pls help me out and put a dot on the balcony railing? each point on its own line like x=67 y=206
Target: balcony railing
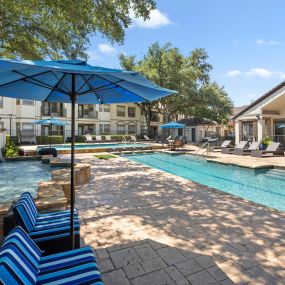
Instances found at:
x=54 y=113
x=88 y=115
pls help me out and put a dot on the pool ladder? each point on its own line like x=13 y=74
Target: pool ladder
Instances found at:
x=206 y=152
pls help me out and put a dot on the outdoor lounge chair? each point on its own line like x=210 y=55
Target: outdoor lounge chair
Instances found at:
x=89 y=139
x=225 y=146
x=239 y=148
x=146 y=138
x=51 y=231
x=242 y=151
x=108 y=138
x=133 y=138
x=22 y=262
x=274 y=149
x=98 y=139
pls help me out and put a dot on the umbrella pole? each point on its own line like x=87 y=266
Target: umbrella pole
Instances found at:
x=72 y=184
x=50 y=135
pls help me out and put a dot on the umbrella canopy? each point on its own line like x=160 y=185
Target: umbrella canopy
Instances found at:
x=173 y=125
x=74 y=81
x=50 y=122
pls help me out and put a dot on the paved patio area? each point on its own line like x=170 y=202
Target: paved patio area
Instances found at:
x=151 y=227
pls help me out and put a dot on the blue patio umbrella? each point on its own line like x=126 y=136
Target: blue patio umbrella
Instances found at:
x=50 y=122
x=173 y=125
x=74 y=81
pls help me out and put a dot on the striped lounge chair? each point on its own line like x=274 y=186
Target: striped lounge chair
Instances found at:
x=49 y=231
x=21 y=262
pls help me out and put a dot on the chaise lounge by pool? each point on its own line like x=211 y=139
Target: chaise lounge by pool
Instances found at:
x=262 y=186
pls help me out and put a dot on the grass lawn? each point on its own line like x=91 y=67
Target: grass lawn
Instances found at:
x=105 y=156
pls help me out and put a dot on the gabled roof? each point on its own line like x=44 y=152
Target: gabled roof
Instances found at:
x=260 y=99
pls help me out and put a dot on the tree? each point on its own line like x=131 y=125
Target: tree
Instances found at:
x=55 y=29
x=215 y=104
x=189 y=75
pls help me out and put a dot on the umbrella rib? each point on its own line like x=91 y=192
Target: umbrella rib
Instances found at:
x=120 y=87
x=40 y=82
x=99 y=88
x=7 y=83
x=60 y=79
x=86 y=82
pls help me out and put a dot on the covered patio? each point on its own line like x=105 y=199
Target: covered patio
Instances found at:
x=264 y=117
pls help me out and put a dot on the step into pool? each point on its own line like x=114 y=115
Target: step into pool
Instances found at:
x=262 y=186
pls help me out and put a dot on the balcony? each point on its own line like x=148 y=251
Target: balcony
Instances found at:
x=54 y=112
x=88 y=115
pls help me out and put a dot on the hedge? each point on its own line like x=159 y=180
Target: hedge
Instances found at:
x=48 y=139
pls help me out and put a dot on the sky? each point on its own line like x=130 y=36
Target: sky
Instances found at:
x=244 y=39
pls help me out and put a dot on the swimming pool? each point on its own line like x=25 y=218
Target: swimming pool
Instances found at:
x=102 y=145
x=18 y=177
x=259 y=186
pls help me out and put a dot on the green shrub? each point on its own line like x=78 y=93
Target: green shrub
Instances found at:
x=48 y=139
x=266 y=141
x=105 y=156
x=11 y=150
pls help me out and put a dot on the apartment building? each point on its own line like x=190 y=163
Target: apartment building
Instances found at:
x=17 y=117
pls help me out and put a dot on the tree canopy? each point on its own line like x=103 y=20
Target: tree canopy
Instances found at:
x=197 y=94
x=55 y=29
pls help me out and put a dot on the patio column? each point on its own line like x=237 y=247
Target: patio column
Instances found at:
x=238 y=131
x=260 y=129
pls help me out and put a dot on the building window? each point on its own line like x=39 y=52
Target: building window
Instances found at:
x=27 y=126
x=155 y=117
x=279 y=131
x=121 y=129
x=1 y=102
x=248 y=129
x=104 y=108
x=121 y=111
x=131 y=129
x=28 y=102
x=1 y=125
x=104 y=129
x=86 y=129
x=86 y=111
x=131 y=112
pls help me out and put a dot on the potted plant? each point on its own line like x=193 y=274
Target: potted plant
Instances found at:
x=266 y=141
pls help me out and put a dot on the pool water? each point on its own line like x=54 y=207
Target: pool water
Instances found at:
x=22 y=176
x=255 y=185
x=101 y=145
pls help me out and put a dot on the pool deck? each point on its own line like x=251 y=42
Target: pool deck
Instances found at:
x=151 y=227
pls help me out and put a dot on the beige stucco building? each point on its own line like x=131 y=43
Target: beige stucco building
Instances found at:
x=264 y=117
x=18 y=115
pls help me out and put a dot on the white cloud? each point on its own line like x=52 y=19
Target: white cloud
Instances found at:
x=266 y=43
x=157 y=19
x=260 y=72
x=256 y=72
x=233 y=73
x=107 y=49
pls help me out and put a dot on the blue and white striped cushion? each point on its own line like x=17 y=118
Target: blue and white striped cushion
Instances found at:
x=87 y=273
x=67 y=259
x=28 y=197
x=23 y=216
x=25 y=244
x=15 y=266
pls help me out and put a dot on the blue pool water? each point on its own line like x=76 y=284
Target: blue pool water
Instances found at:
x=255 y=185
x=18 y=177
x=102 y=145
